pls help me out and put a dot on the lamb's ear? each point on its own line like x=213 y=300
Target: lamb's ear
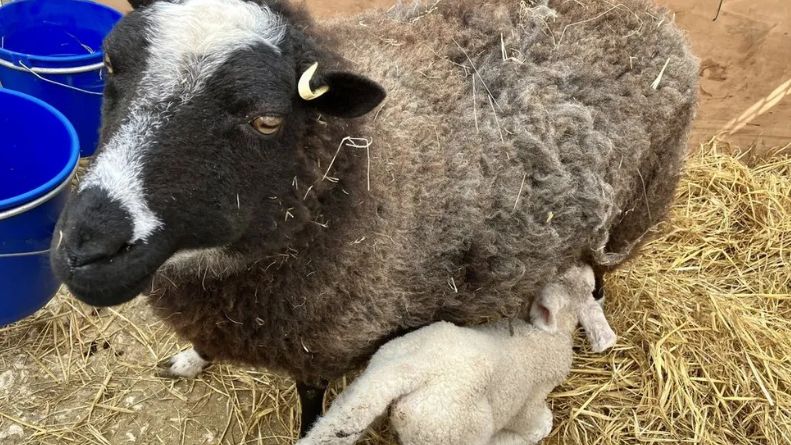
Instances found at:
x=340 y=93
x=545 y=308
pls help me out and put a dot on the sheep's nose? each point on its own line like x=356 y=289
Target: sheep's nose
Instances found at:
x=93 y=228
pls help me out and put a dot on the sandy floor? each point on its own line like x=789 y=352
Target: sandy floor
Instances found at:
x=745 y=72
x=745 y=68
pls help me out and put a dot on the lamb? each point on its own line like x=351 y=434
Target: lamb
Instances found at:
x=292 y=195
x=479 y=385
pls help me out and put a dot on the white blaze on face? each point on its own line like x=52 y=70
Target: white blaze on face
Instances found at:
x=188 y=41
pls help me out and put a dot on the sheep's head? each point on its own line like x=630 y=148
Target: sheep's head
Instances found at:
x=203 y=112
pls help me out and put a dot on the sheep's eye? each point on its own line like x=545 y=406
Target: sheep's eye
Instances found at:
x=267 y=125
x=107 y=65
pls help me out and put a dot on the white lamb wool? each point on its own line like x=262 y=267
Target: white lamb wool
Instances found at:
x=472 y=386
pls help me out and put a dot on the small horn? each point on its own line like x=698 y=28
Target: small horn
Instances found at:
x=305 y=91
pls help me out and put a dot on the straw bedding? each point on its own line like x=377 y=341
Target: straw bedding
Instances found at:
x=704 y=316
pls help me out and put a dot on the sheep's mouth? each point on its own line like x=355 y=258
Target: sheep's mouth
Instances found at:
x=111 y=280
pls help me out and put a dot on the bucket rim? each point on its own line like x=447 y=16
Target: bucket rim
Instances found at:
x=61 y=177
x=5 y=214
x=14 y=56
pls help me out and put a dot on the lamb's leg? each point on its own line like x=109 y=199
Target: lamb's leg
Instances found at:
x=443 y=414
x=362 y=402
x=507 y=437
x=311 y=400
x=186 y=364
x=529 y=427
x=539 y=424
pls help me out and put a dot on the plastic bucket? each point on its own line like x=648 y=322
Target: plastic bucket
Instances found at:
x=39 y=154
x=52 y=49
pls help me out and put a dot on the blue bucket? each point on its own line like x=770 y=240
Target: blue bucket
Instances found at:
x=52 y=49
x=39 y=153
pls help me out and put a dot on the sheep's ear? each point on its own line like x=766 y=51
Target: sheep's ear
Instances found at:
x=545 y=308
x=137 y=4
x=340 y=93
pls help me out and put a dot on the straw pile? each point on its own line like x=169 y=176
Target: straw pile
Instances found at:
x=704 y=356
x=704 y=317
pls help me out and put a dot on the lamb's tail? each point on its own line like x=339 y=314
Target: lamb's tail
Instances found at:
x=361 y=403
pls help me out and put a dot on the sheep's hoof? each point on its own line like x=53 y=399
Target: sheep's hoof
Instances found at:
x=184 y=365
x=598 y=289
x=600 y=296
x=601 y=301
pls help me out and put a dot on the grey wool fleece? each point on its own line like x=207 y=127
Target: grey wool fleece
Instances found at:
x=517 y=138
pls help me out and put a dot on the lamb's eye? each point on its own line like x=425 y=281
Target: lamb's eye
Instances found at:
x=267 y=125
x=107 y=65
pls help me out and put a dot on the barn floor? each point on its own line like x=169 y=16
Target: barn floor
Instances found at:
x=704 y=315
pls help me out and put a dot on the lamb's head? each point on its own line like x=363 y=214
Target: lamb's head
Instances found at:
x=206 y=104
x=566 y=301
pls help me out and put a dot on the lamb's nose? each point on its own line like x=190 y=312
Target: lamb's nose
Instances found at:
x=93 y=228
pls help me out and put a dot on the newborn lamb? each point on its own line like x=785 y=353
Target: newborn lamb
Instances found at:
x=472 y=385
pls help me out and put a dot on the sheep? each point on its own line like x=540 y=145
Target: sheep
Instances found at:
x=291 y=195
x=478 y=385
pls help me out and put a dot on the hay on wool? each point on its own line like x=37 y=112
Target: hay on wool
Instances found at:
x=704 y=356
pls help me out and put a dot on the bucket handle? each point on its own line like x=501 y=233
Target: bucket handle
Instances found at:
x=17 y=255
x=39 y=71
x=33 y=204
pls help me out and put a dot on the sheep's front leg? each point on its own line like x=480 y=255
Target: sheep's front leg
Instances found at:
x=186 y=364
x=311 y=400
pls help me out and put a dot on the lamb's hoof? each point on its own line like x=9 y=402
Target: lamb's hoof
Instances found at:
x=184 y=365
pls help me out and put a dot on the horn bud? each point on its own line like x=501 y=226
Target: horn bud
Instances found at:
x=305 y=91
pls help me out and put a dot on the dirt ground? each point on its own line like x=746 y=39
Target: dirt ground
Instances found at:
x=745 y=64
x=72 y=375
x=745 y=68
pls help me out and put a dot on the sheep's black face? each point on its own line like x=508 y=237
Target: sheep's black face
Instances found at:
x=200 y=121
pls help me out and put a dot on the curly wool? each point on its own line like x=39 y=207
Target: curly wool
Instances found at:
x=515 y=140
